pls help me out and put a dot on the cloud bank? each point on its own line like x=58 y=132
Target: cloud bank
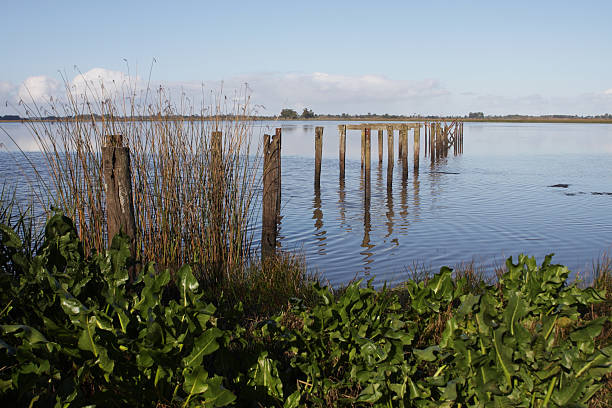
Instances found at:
x=322 y=92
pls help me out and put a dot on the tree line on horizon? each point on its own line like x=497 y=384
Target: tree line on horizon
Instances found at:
x=292 y=114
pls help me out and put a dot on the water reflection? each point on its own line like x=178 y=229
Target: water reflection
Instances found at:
x=317 y=215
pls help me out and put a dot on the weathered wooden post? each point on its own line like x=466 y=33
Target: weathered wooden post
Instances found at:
x=417 y=148
x=363 y=131
x=318 y=153
x=390 y=147
x=400 y=144
x=367 y=152
x=118 y=185
x=380 y=145
x=425 y=139
x=279 y=179
x=342 y=153
x=271 y=194
x=404 y=153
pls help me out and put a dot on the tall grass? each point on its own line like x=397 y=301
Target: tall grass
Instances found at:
x=191 y=205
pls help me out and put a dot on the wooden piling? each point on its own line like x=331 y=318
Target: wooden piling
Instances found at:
x=367 y=150
x=118 y=185
x=363 y=132
x=342 y=153
x=404 y=151
x=271 y=194
x=380 y=145
x=390 y=147
x=400 y=144
x=279 y=179
x=417 y=148
x=318 y=153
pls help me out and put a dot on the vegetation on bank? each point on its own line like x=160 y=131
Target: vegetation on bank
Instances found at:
x=75 y=331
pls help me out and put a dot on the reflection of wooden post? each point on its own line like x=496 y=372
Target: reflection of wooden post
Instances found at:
x=271 y=194
x=417 y=148
x=318 y=153
x=380 y=145
x=342 y=153
x=118 y=183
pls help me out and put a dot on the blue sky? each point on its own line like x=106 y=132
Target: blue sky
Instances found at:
x=436 y=57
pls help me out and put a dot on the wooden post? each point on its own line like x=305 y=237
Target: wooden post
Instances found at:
x=342 y=129
x=417 y=148
x=362 y=146
x=400 y=144
x=118 y=185
x=404 y=154
x=380 y=145
x=367 y=151
x=425 y=139
x=318 y=153
x=271 y=194
x=279 y=179
x=390 y=147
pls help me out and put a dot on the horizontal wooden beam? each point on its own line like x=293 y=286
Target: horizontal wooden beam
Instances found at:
x=383 y=126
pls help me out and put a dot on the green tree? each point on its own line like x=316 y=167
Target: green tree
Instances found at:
x=288 y=114
x=308 y=113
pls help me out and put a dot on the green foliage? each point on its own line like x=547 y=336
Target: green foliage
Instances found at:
x=307 y=113
x=75 y=331
x=288 y=114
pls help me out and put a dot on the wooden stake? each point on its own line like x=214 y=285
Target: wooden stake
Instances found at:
x=390 y=147
x=342 y=153
x=362 y=146
x=318 y=153
x=417 y=148
x=367 y=152
x=271 y=195
x=118 y=185
x=380 y=145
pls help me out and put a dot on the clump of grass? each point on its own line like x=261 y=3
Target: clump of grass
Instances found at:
x=268 y=286
x=193 y=193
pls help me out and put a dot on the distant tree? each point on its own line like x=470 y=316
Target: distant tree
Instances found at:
x=307 y=114
x=476 y=115
x=288 y=114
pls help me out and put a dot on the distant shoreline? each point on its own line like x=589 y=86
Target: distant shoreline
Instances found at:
x=341 y=119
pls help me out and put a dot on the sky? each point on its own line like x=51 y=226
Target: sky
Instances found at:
x=398 y=57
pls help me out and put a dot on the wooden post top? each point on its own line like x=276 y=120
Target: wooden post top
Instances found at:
x=113 y=141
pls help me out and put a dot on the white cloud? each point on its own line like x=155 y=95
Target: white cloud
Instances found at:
x=102 y=83
x=38 y=89
x=608 y=91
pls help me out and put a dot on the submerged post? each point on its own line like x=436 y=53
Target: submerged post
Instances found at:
x=363 y=131
x=417 y=148
x=404 y=153
x=318 y=153
x=380 y=145
x=271 y=194
x=118 y=185
x=367 y=152
x=390 y=142
x=342 y=129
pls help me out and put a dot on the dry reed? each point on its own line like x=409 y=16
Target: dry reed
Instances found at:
x=193 y=194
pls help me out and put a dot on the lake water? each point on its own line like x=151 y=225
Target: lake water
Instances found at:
x=491 y=202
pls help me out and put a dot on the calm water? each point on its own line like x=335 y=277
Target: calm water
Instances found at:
x=491 y=202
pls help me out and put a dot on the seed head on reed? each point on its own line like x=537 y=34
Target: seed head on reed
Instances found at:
x=193 y=188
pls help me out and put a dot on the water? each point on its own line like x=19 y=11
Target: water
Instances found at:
x=491 y=202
